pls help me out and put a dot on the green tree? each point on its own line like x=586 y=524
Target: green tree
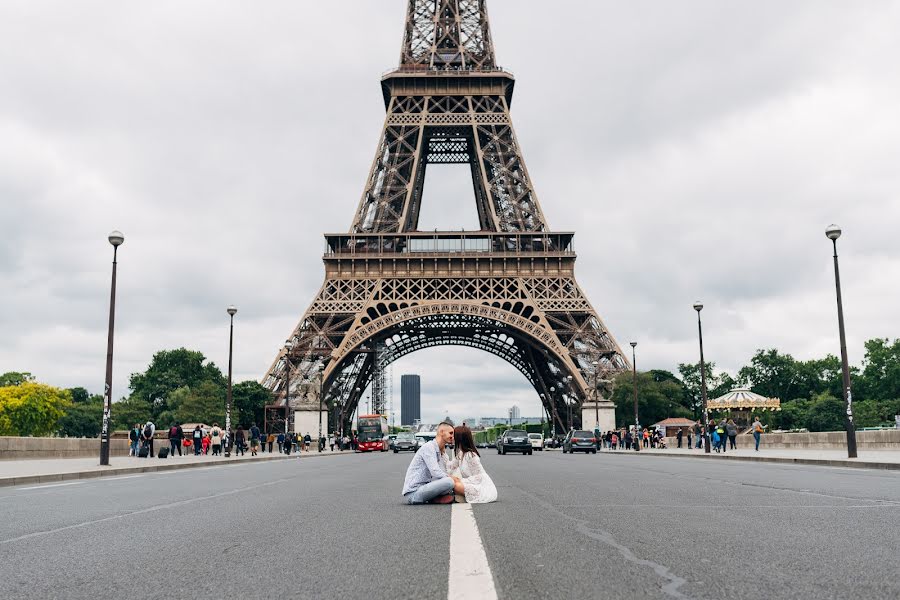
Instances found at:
x=716 y=385
x=168 y=371
x=660 y=395
x=85 y=417
x=32 y=409
x=825 y=413
x=880 y=377
x=129 y=411
x=204 y=403
x=15 y=378
x=249 y=400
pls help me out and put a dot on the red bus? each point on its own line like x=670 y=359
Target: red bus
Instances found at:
x=372 y=433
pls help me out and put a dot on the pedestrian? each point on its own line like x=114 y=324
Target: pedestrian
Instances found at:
x=690 y=430
x=205 y=444
x=288 y=442
x=175 y=436
x=322 y=442
x=731 y=430
x=722 y=431
x=239 y=438
x=307 y=441
x=197 y=438
x=271 y=440
x=715 y=439
x=698 y=429
x=134 y=436
x=758 y=429
x=280 y=440
x=332 y=441
x=147 y=437
x=254 y=439
x=679 y=435
x=216 y=439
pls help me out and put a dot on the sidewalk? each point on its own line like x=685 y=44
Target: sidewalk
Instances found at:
x=867 y=459
x=45 y=470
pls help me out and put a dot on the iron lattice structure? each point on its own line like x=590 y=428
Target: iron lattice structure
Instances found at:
x=508 y=289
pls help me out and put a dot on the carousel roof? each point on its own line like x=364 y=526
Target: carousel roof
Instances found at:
x=744 y=398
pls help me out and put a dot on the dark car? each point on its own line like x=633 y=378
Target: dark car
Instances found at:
x=514 y=440
x=579 y=440
x=406 y=441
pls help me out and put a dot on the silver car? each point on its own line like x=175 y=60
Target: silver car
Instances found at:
x=406 y=441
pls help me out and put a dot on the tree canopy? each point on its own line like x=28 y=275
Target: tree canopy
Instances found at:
x=32 y=409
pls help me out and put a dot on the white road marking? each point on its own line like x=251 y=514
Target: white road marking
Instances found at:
x=470 y=574
x=52 y=485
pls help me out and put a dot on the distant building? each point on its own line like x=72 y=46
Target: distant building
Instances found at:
x=491 y=421
x=514 y=412
x=410 y=399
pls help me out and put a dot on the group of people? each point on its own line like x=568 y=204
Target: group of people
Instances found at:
x=722 y=435
x=436 y=477
x=205 y=440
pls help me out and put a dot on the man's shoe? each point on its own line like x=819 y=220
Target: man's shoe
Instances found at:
x=448 y=499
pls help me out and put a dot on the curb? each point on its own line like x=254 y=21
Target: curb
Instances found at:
x=117 y=471
x=820 y=462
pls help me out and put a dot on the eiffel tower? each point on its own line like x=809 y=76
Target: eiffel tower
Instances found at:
x=390 y=289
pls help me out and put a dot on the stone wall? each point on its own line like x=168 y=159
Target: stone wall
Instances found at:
x=19 y=448
x=887 y=439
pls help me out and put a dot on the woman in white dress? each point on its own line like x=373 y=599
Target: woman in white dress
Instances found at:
x=466 y=463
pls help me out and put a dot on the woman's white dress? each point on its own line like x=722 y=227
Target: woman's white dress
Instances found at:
x=479 y=486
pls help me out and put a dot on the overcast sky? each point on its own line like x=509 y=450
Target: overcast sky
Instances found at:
x=698 y=148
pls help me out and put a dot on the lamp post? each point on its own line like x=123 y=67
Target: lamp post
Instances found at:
x=833 y=232
x=231 y=310
x=553 y=400
x=116 y=239
x=596 y=365
x=637 y=420
x=698 y=306
x=288 y=345
x=568 y=380
x=321 y=387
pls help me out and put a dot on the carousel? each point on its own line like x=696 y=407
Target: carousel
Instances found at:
x=742 y=404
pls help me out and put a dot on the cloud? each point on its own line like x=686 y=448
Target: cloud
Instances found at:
x=698 y=149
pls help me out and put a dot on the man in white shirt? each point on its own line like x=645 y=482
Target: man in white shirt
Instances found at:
x=426 y=479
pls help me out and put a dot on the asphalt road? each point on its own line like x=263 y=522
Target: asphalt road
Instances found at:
x=565 y=527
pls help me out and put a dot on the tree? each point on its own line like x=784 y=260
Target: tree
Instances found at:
x=716 y=385
x=825 y=413
x=15 y=378
x=880 y=378
x=249 y=400
x=204 y=403
x=660 y=395
x=129 y=411
x=168 y=371
x=32 y=409
x=84 y=418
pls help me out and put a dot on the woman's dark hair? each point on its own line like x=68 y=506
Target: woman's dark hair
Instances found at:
x=462 y=437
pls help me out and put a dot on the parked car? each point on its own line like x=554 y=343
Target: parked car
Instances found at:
x=578 y=440
x=537 y=441
x=406 y=441
x=514 y=440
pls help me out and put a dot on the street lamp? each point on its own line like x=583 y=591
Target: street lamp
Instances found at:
x=568 y=380
x=833 y=232
x=288 y=346
x=116 y=239
x=596 y=365
x=231 y=310
x=553 y=400
x=698 y=306
x=321 y=387
x=637 y=420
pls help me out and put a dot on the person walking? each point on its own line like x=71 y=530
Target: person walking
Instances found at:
x=288 y=442
x=197 y=438
x=731 y=430
x=332 y=439
x=307 y=441
x=215 y=439
x=280 y=440
x=722 y=430
x=679 y=435
x=690 y=430
x=254 y=439
x=239 y=441
x=134 y=436
x=758 y=429
x=176 y=434
x=698 y=429
x=147 y=436
x=271 y=440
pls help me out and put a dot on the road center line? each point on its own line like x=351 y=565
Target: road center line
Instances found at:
x=470 y=574
x=52 y=485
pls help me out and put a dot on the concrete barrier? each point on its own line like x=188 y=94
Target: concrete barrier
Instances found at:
x=24 y=448
x=886 y=439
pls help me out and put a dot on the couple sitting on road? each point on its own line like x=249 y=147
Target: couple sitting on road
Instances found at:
x=433 y=477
